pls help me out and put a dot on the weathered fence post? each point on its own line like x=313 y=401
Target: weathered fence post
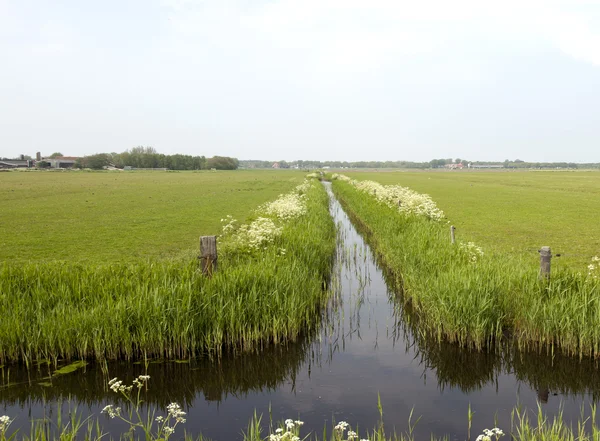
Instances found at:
x=208 y=254
x=545 y=258
x=452 y=228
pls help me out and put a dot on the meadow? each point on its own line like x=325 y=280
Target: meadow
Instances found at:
x=117 y=216
x=269 y=287
x=515 y=211
x=462 y=293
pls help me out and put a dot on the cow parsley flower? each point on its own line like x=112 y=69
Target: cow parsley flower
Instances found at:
x=4 y=423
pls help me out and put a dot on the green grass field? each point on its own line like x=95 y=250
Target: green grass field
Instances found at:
x=515 y=212
x=115 y=216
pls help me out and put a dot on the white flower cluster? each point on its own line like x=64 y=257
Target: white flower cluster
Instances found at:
x=338 y=177
x=112 y=411
x=264 y=229
x=489 y=433
x=261 y=232
x=312 y=175
x=229 y=226
x=395 y=196
x=173 y=411
x=473 y=252
x=304 y=187
x=117 y=385
x=4 y=423
x=341 y=427
x=290 y=434
x=594 y=268
x=286 y=207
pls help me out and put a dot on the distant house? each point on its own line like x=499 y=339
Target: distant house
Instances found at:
x=276 y=165
x=458 y=166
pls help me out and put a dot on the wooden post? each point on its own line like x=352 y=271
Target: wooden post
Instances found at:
x=208 y=254
x=545 y=258
x=452 y=228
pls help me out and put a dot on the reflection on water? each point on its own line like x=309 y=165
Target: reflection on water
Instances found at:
x=369 y=347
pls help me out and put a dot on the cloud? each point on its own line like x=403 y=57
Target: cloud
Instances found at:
x=358 y=35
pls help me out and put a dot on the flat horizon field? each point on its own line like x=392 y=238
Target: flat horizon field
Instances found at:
x=115 y=216
x=514 y=211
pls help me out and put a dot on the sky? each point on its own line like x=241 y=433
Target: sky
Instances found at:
x=303 y=79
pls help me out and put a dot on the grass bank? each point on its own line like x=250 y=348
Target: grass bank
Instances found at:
x=269 y=289
x=464 y=295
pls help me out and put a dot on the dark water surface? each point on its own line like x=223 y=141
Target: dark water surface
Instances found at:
x=366 y=348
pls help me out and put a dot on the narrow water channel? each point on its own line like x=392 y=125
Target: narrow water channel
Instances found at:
x=367 y=348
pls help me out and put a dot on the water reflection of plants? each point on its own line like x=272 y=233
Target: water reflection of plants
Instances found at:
x=180 y=381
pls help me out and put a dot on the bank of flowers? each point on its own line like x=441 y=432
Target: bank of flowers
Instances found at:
x=268 y=225
x=407 y=201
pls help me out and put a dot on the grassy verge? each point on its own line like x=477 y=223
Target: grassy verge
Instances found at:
x=461 y=294
x=269 y=289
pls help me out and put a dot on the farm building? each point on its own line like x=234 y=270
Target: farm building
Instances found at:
x=14 y=163
x=62 y=161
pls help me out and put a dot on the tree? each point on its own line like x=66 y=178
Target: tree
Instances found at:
x=96 y=162
x=222 y=163
x=56 y=155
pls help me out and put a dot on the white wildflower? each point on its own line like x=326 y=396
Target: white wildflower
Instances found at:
x=4 y=423
x=407 y=201
x=352 y=435
x=175 y=411
x=488 y=434
x=279 y=430
x=594 y=268
x=299 y=423
x=286 y=207
x=168 y=430
x=259 y=233
x=111 y=411
x=341 y=426
x=472 y=251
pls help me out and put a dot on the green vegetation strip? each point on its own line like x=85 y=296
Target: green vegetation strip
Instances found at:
x=461 y=294
x=268 y=289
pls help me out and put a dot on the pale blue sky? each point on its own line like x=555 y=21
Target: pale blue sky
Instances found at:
x=303 y=79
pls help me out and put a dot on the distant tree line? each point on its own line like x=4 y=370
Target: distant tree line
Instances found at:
x=434 y=163
x=148 y=157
